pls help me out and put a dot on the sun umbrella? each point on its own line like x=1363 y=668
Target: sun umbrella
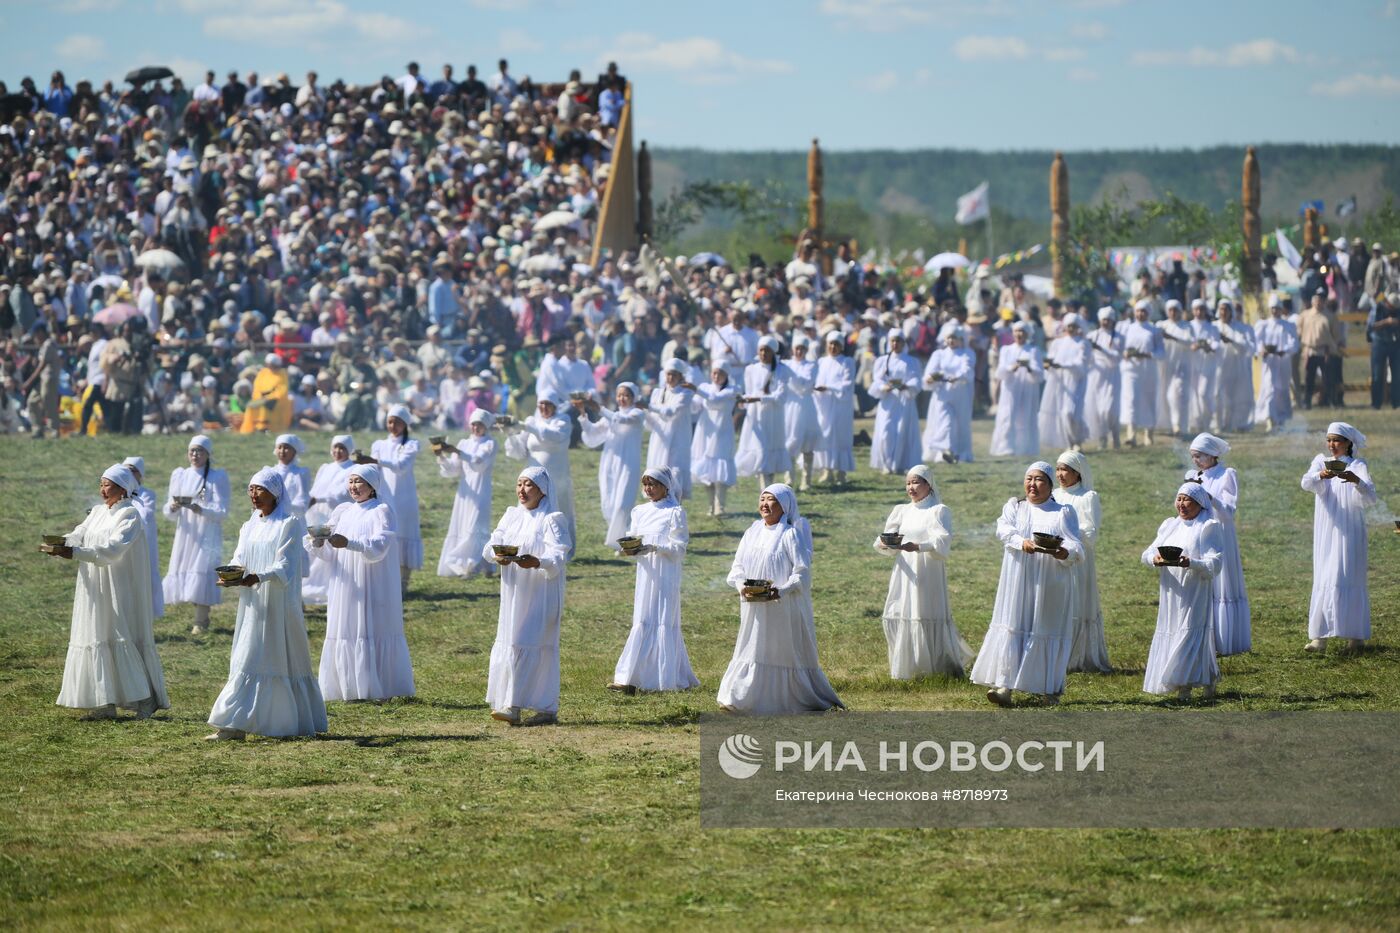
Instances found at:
x=545 y=262
x=149 y=73
x=707 y=259
x=947 y=261
x=113 y=315
x=556 y=219
x=160 y=260
x=109 y=281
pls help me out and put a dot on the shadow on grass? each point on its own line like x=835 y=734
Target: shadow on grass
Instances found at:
x=389 y=741
x=1301 y=699
x=440 y=597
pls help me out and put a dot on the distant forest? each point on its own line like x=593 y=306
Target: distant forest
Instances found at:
x=906 y=200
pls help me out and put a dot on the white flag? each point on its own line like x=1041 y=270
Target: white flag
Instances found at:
x=974 y=205
x=1288 y=251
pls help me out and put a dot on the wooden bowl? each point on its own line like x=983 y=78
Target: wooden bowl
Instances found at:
x=182 y=500
x=1047 y=542
x=505 y=550
x=60 y=540
x=630 y=544
x=230 y=573
x=891 y=538
x=361 y=457
x=1336 y=466
x=504 y=421
x=1169 y=554
x=757 y=593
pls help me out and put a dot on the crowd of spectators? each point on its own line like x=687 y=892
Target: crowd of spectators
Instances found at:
x=178 y=259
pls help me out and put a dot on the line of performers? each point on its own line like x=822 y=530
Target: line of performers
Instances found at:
x=1046 y=620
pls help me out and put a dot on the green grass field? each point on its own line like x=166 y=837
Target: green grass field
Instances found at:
x=425 y=813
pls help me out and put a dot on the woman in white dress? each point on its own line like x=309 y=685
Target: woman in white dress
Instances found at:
x=763 y=439
x=365 y=655
x=1016 y=431
x=1276 y=345
x=1235 y=406
x=836 y=411
x=1232 y=634
x=112 y=660
x=327 y=491
x=775 y=668
x=654 y=657
x=1061 y=419
x=524 y=672
x=1104 y=383
x=712 y=447
x=1182 y=655
x=894 y=382
x=543 y=440
x=1144 y=349
x=1089 y=652
x=271 y=688
x=669 y=416
x=296 y=479
x=1341 y=601
x=948 y=376
x=471 y=463
x=1032 y=630
x=619 y=434
x=918 y=621
x=197 y=501
x=145 y=501
x=800 y=411
x=1205 y=367
x=396 y=456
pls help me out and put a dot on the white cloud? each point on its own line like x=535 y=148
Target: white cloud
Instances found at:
x=699 y=59
x=1391 y=8
x=509 y=6
x=1240 y=55
x=1358 y=85
x=1083 y=74
x=881 y=83
x=275 y=23
x=990 y=48
x=891 y=15
x=81 y=47
x=1095 y=4
x=517 y=42
x=87 y=6
x=923 y=76
x=1064 y=55
x=1095 y=31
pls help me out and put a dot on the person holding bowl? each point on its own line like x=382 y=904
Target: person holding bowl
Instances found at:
x=1341 y=482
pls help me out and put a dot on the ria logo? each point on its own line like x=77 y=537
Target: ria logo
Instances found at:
x=740 y=756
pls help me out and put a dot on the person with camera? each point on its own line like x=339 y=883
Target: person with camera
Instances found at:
x=1383 y=333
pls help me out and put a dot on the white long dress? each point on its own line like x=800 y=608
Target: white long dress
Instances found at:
x=1232 y=634
x=329 y=490
x=763 y=439
x=1205 y=375
x=1016 y=431
x=544 y=442
x=112 y=656
x=800 y=410
x=1174 y=403
x=619 y=433
x=271 y=688
x=1143 y=351
x=524 y=670
x=1341 y=601
x=397 y=458
x=670 y=418
x=296 y=486
x=836 y=412
x=947 y=420
x=1183 y=646
x=145 y=502
x=1028 y=642
x=1061 y=418
x=654 y=657
x=712 y=446
x=470 y=525
x=365 y=656
x=1104 y=386
x=775 y=669
x=897 y=446
x=199 y=537
x=1089 y=651
x=1235 y=395
x=1275 y=401
x=918 y=621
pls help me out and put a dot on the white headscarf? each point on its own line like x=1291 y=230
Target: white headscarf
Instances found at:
x=769 y=341
x=666 y=477
x=1079 y=463
x=122 y=476
x=345 y=440
x=1195 y=491
x=271 y=480
x=836 y=337
x=1072 y=320
x=292 y=441
x=1043 y=467
x=1342 y=429
x=674 y=365
x=482 y=416
x=138 y=464
x=787 y=499
x=1211 y=445
x=540 y=477
x=202 y=440
x=894 y=334
x=632 y=387
x=401 y=412
x=925 y=474
x=1106 y=313
x=1023 y=327
x=369 y=473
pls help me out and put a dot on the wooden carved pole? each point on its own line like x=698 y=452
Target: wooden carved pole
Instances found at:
x=815 y=203
x=1250 y=281
x=644 y=212
x=1310 y=235
x=1059 y=220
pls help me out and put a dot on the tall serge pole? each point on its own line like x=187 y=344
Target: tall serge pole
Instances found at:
x=1311 y=238
x=1059 y=220
x=644 y=209
x=1252 y=231
x=815 y=203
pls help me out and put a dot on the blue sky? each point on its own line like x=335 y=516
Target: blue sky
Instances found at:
x=771 y=74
